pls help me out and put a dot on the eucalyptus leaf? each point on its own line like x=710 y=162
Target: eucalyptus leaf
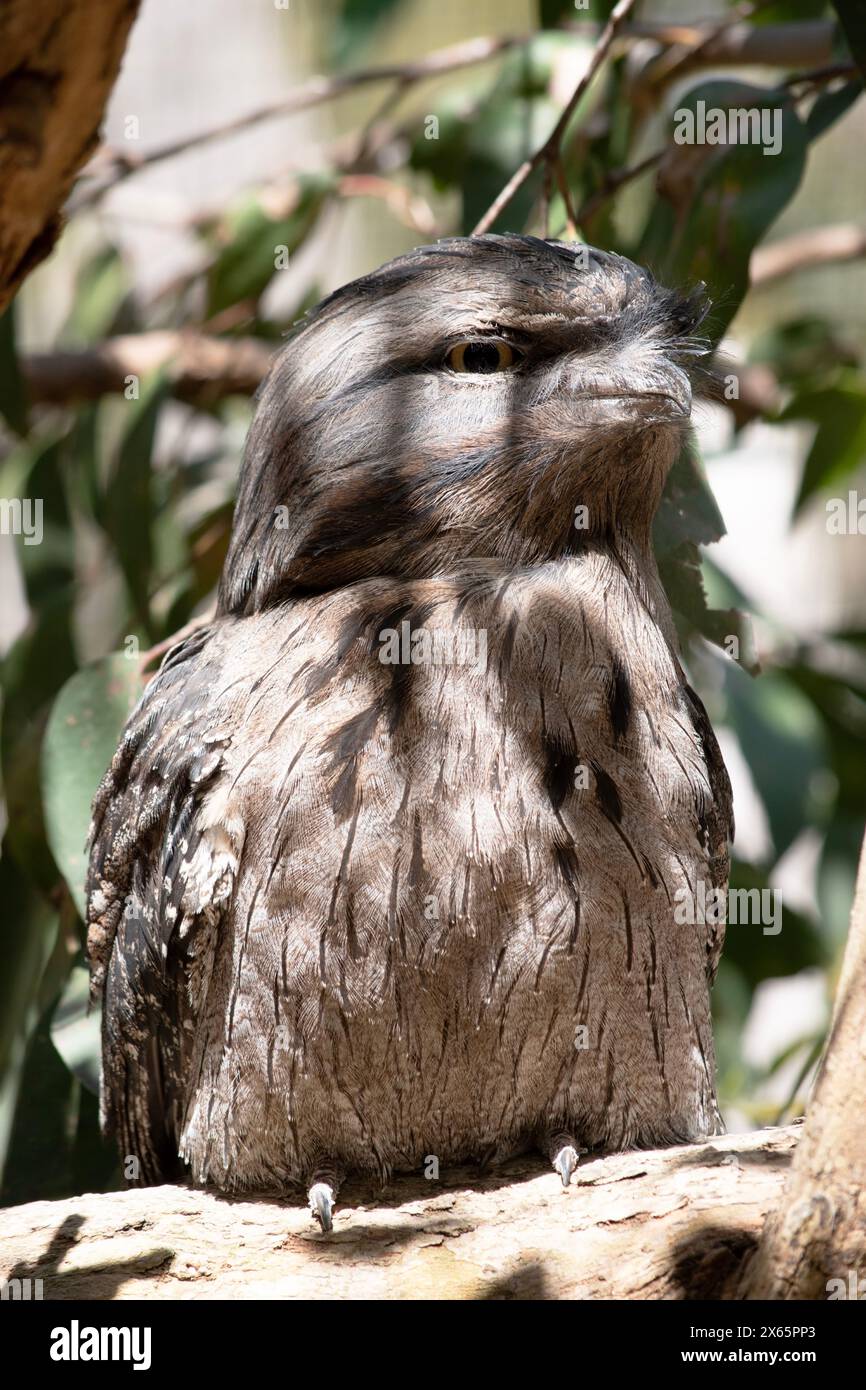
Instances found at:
x=128 y=501
x=831 y=106
x=769 y=939
x=839 y=446
x=717 y=201
x=99 y=291
x=784 y=743
x=82 y=735
x=75 y=1029
x=247 y=261
x=358 y=22
x=28 y=927
x=688 y=518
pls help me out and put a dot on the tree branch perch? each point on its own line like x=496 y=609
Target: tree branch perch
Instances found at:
x=671 y=1223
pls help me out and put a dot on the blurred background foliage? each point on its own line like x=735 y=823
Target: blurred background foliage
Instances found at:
x=137 y=483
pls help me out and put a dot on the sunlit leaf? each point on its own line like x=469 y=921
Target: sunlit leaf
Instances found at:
x=99 y=290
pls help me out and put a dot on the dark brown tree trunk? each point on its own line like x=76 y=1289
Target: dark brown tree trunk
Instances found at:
x=58 y=63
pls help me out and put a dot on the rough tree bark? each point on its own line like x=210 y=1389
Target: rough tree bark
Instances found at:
x=673 y=1223
x=58 y=63
x=201 y=369
x=817 y=1231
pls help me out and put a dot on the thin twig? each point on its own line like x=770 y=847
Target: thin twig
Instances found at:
x=388 y=104
x=549 y=151
x=612 y=183
x=819 y=76
x=544 y=210
x=571 y=215
x=311 y=93
x=675 y=59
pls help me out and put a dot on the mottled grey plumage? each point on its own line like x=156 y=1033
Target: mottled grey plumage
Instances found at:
x=350 y=914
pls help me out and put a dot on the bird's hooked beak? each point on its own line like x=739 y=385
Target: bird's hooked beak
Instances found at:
x=638 y=385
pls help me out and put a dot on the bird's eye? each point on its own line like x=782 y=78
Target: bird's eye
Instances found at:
x=485 y=355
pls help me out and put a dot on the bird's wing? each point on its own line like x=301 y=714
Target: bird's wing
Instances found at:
x=158 y=883
x=715 y=821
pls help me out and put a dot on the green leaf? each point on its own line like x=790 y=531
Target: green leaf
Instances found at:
x=28 y=927
x=783 y=741
x=688 y=510
x=357 y=23
x=688 y=518
x=246 y=264
x=503 y=135
x=76 y=1029
x=803 y=352
x=43 y=656
x=717 y=201
x=82 y=734
x=446 y=157
x=56 y=1148
x=528 y=69
x=13 y=397
x=763 y=954
x=483 y=135
x=554 y=12
x=839 y=446
x=788 y=11
x=100 y=287
x=47 y=555
x=128 y=502
x=837 y=876
x=830 y=107
x=841 y=703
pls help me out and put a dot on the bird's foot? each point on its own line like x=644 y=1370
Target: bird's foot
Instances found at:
x=564 y=1154
x=322 y=1199
x=565 y=1163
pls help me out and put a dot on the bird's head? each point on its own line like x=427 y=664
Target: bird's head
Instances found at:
x=495 y=396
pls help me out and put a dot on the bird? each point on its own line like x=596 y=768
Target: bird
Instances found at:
x=386 y=865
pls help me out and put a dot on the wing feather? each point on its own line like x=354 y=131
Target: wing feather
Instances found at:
x=156 y=885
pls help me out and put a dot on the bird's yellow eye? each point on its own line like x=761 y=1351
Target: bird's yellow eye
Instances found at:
x=484 y=355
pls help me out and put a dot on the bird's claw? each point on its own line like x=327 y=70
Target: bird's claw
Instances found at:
x=321 y=1198
x=565 y=1163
